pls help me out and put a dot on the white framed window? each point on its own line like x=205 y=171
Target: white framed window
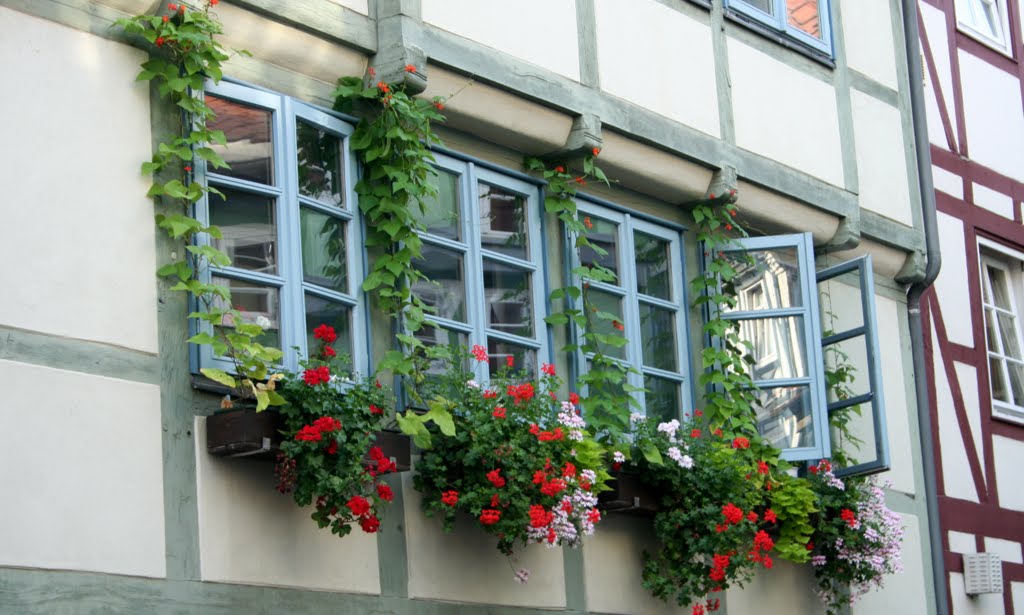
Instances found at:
x=805 y=21
x=1002 y=293
x=987 y=21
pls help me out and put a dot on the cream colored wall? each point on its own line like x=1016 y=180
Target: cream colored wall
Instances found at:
x=952 y=280
x=82 y=472
x=1009 y=459
x=881 y=158
x=903 y=593
x=954 y=454
x=994 y=201
x=935 y=27
x=78 y=242
x=542 y=32
x=995 y=125
x=786 y=588
x=868 y=50
x=984 y=604
x=660 y=59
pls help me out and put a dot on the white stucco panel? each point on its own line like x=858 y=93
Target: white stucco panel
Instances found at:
x=1008 y=550
x=785 y=589
x=950 y=183
x=1009 y=456
x=993 y=200
x=249 y=533
x=869 y=50
x=785 y=114
x=902 y=593
x=881 y=158
x=935 y=27
x=983 y=604
x=956 y=474
x=995 y=124
x=962 y=542
x=967 y=377
x=893 y=347
x=1017 y=590
x=952 y=280
x=82 y=472
x=360 y=6
x=542 y=32
x=78 y=223
x=638 y=40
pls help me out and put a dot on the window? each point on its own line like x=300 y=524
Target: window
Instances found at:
x=287 y=221
x=483 y=255
x=1002 y=289
x=648 y=297
x=986 y=20
x=805 y=21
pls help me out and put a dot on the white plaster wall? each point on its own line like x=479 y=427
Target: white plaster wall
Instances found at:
x=983 y=604
x=995 y=124
x=79 y=240
x=952 y=280
x=894 y=346
x=1009 y=458
x=1017 y=591
x=956 y=474
x=869 y=48
x=994 y=201
x=784 y=114
x=542 y=32
x=881 y=161
x=935 y=27
x=360 y=6
x=962 y=542
x=967 y=375
x=465 y=566
x=904 y=592
x=658 y=58
x=82 y=472
x=950 y=183
x=1008 y=550
x=785 y=589
x=612 y=564
x=249 y=533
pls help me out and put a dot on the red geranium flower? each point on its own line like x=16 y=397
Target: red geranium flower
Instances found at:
x=762 y=467
x=479 y=353
x=732 y=513
x=384 y=492
x=308 y=433
x=740 y=442
x=490 y=516
x=547 y=369
x=332 y=448
x=496 y=479
x=358 y=505
x=539 y=516
x=325 y=333
x=574 y=399
x=769 y=516
x=409 y=68
x=327 y=424
x=451 y=498
x=329 y=352
x=375 y=410
x=370 y=524
x=499 y=412
x=594 y=515
x=596 y=151
x=695 y=433
x=510 y=361
x=376 y=453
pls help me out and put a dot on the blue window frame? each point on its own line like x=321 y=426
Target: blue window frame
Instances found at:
x=288 y=222
x=483 y=255
x=805 y=21
x=649 y=297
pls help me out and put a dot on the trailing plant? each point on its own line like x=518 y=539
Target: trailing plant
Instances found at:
x=522 y=463
x=857 y=539
x=326 y=458
x=608 y=399
x=184 y=54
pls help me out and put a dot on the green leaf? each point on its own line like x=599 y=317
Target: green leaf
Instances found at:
x=262 y=400
x=651 y=453
x=218 y=375
x=441 y=416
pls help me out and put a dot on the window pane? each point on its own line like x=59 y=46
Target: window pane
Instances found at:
x=1000 y=292
x=508 y=298
x=250 y=232
x=991 y=330
x=258 y=305
x=250 y=150
x=997 y=378
x=661 y=400
x=446 y=290
x=658 y=337
x=319 y=154
x=862 y=444
x=438 y=336
x=320 y=311
x=1016 y=372
x=601 y=301
x=323 y=250
x=503 y=222
x=652 y=266
x=764 y=5
x=604 y=235
x=805 y=15
x=768 y=279
x=784 y=416
x=523 y=359
x=778 y=347
x=1010 y=336
x=440 y=213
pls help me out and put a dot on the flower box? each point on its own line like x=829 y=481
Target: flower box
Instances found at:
x=628 y=495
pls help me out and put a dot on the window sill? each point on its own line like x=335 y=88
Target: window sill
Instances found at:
x=1007 y=413
x=779 y=38
x=1000 y=48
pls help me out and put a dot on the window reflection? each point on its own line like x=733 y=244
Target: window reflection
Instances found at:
x=248 y=227
x=508 y=298
x=445 y=288
x=319 y=157
x=784 y=416
x=502 y=221
x=805 y=15
x=249 y=150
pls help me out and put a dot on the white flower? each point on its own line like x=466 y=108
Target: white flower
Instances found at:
x=618 y=457
x=522 y=575
x=473 y=384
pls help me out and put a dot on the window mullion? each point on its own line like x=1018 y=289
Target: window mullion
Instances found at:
x=289 y=237
x=476 y=303
x=630 y=308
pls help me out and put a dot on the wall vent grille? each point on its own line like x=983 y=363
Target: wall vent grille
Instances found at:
x=983 y=573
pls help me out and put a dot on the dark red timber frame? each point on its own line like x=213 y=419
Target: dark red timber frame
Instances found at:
x=986 y=518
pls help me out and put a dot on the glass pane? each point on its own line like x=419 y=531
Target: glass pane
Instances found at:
x=319 y=154
x=503 y=222
x=1016 y=372
x=523 y=359
x=250 y=232
x=320 y=311
x=658 y=337
x=846 y=364
x=508 y=298
x=764 y=5
x=997 y=379
x=766 y=279
x=778 y=347
x=991 y=330
x=440 y=213
x=250 y=150
x=604 y=235
x=861 y=446
x=1000 y=293
x=1010 y=336
x=652 y=266
x=784 y=416
x=258 y=305
x=661 y=400
x=839 y=303
x=601 y=301
x=323 y=250
x=437 y=336
x=445 y=290
x=804 y=15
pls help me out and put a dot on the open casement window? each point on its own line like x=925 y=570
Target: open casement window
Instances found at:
x=288 y=222
x=805 y=21
x=1002 y=291
x=648 y=297
x=778 y=309
x=483 y=254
